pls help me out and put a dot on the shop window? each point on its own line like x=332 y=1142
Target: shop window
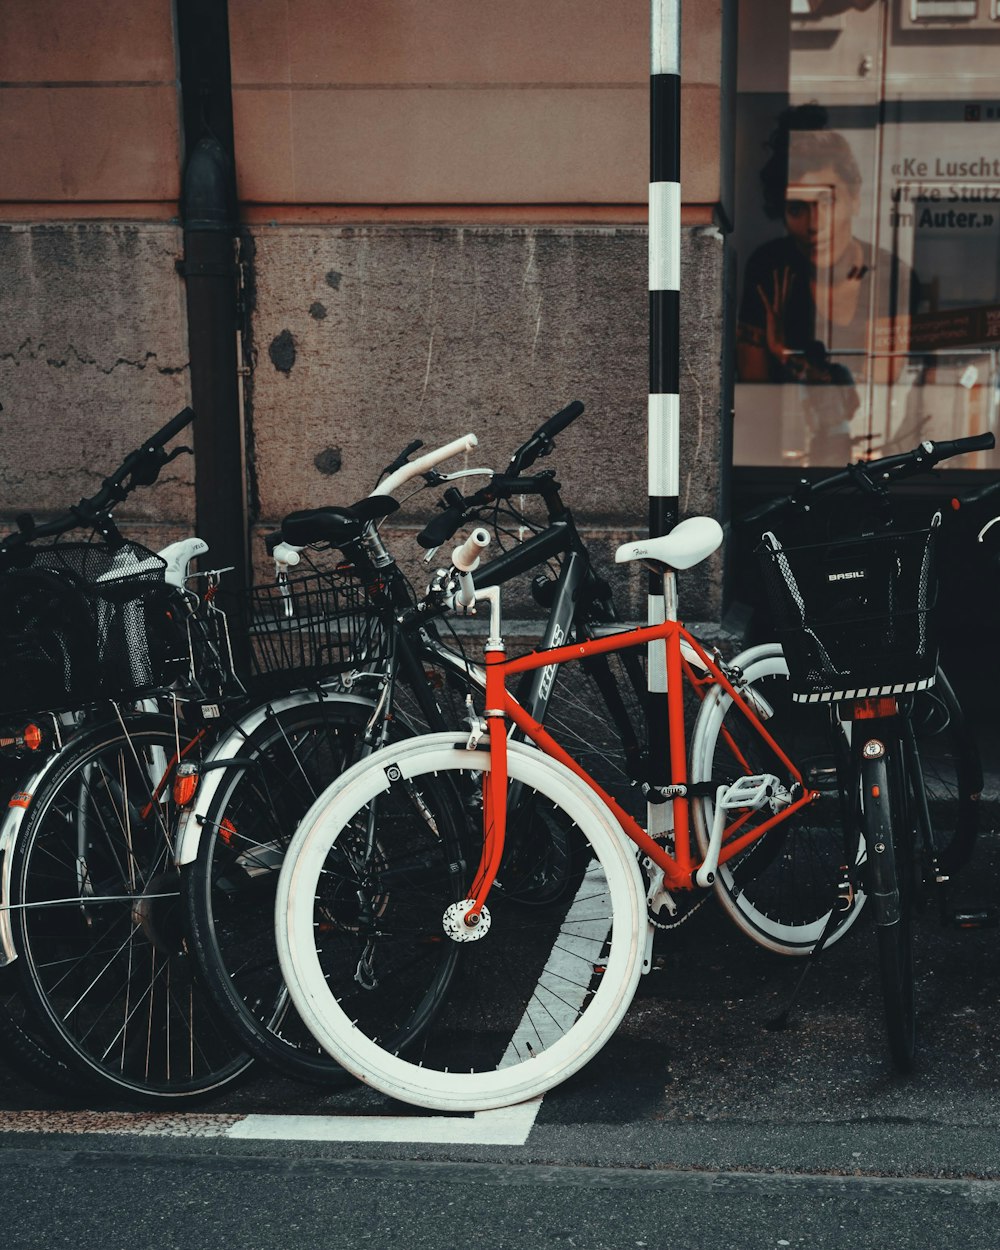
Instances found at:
x=868 y=231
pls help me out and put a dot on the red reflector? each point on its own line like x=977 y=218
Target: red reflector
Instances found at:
x=872 y=709
x=227 y=831
x=185 y=784
x=32 y=736
x=875 y=792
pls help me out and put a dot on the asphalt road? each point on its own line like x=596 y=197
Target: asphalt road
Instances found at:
x=697 y=1126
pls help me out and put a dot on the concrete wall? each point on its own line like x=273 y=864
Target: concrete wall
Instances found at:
x=409 y=102
x=445 y=225
x=369 y=337
x=93 y=333
x=93 y=357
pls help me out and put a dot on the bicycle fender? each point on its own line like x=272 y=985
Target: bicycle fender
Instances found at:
x=189 y=824
x=10 y=828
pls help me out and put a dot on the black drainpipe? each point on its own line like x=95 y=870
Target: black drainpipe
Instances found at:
x=209 y=214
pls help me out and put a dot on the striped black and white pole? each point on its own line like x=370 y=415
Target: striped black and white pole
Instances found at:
x=664 y=343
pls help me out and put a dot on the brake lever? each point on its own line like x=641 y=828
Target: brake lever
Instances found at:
x=148 y=469
x=457 y=474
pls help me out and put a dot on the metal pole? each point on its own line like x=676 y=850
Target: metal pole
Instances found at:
x=664 y=349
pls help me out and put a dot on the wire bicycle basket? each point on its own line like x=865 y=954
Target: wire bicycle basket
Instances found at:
x=314 y=625
x=82 y=622
x=855 y=616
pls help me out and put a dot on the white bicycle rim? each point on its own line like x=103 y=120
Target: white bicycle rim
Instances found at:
x=393 y=1075
x=774 y=934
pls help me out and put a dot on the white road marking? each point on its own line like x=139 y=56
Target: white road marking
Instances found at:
x=508 y=1126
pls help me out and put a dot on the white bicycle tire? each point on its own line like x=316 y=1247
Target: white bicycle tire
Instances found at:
x=765 y=660
x=390 y=1073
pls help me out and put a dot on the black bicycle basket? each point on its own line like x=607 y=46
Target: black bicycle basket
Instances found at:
x=81 y=622
x=314 y=625
x=855 y=616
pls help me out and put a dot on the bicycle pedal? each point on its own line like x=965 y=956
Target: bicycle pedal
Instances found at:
x=987 y=918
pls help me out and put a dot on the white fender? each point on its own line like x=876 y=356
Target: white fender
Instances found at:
x=189 y=826
x=13 y=818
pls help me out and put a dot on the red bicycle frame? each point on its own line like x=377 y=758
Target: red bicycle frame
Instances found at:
x=679 y=864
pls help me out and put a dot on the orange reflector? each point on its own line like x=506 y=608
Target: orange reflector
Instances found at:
x=872 y=709
x=32 y=736
x=875 y=792
x=185 y=784
x=227 y=831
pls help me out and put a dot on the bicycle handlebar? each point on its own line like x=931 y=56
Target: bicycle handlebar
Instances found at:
x=502 y=485
x=139 y=468
x=875 y=475
x=540 y=443
x=415 y=468
x=457 y=507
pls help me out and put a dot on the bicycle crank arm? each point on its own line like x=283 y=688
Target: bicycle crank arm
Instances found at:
x=762 y=789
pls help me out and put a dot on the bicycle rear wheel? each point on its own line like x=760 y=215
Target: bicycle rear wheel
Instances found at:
x=290 y=758
x=780 y=890
x=377 y=868
x=103 y=961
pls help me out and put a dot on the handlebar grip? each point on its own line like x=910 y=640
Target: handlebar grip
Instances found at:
x=281 y=551
x=540 y=443
x=441 y=527
x=766 y=510
x=465 y=558
x=984 y=495
x=948 y=447
x=559 y=422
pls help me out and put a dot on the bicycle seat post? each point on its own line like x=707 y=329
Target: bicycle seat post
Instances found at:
x=670 y=606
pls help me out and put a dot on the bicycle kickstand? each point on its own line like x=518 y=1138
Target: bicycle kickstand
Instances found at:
x=838 y=913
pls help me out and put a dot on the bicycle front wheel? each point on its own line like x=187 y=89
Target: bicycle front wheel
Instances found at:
x=951 y=768
x=781 y=888
x=375 y=871
x=98 y=925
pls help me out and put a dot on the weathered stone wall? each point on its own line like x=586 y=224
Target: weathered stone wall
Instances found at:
x=365 y=338
x=369 y=337
x=93 y=357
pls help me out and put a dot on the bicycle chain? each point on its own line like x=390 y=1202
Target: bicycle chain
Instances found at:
x=676 y=924
x=644 y=864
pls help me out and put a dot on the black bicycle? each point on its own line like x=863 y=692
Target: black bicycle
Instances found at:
x=112 y=667
x=855 y=613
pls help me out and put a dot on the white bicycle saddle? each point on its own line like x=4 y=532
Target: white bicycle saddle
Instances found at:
x=685 y=546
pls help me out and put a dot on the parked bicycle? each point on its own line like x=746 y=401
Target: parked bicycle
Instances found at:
x=776 y=875
x=114 y=665
x=856 y=617
x=372 y=665
x=509 y=1002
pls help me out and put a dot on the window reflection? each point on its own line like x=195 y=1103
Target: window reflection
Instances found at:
x=868 y=229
